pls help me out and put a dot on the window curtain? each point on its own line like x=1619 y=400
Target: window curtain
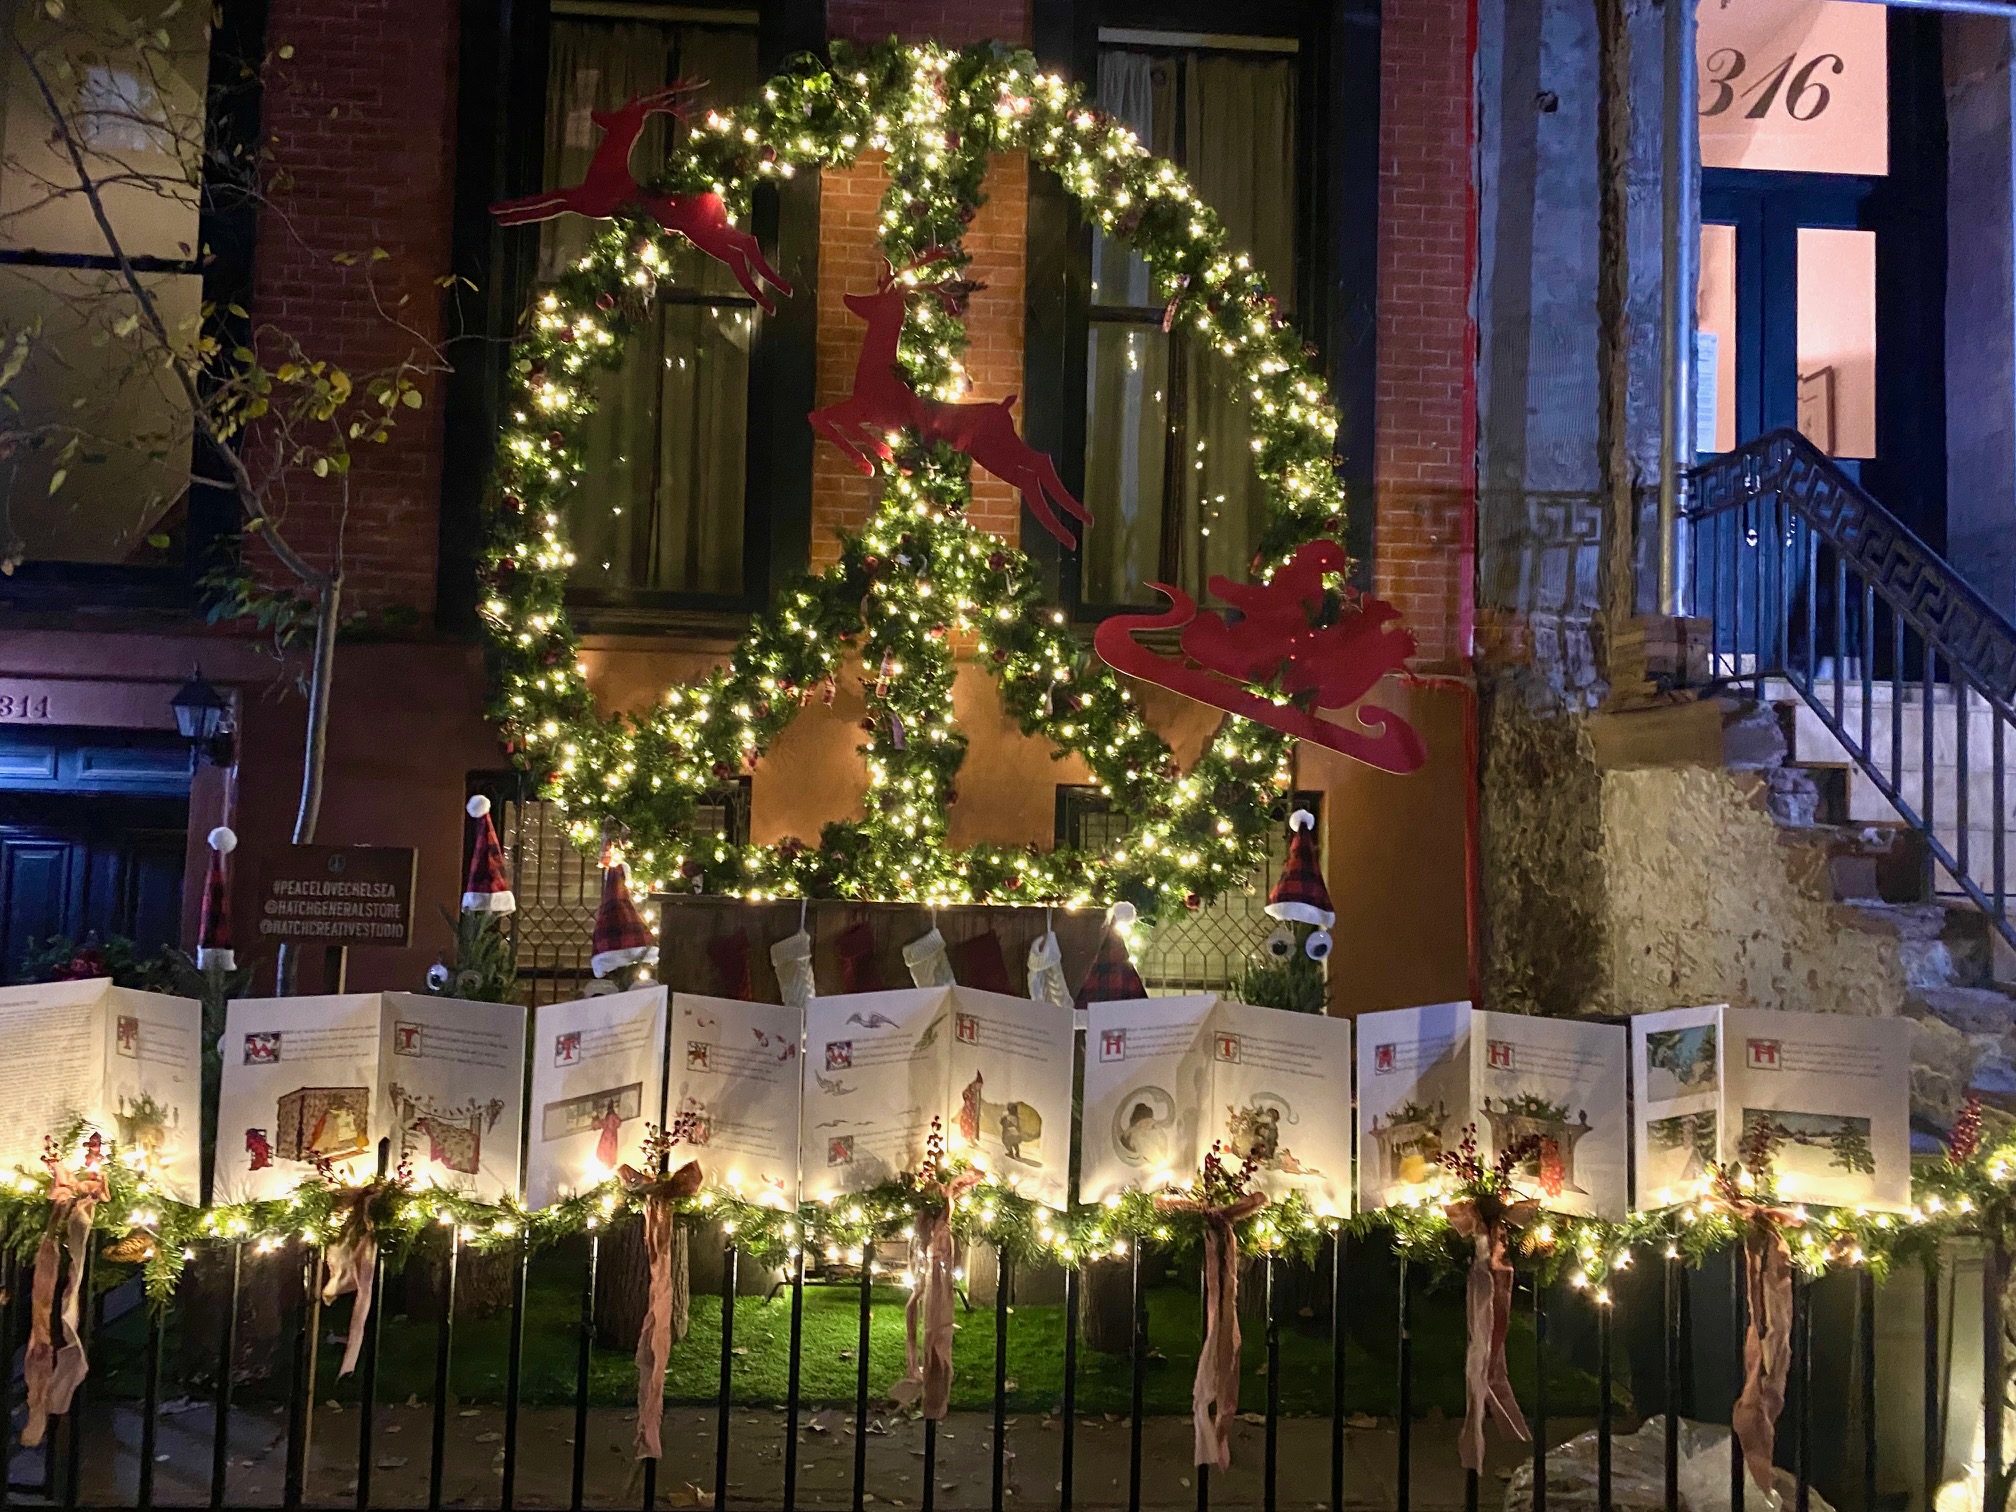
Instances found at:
x=661 y=505
x=1239 y=145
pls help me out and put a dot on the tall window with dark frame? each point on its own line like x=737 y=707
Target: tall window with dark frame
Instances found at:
x=96 y=463
x=1169 y=473
x=661 y=512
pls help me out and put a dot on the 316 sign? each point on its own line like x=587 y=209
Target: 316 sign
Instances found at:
x=1805 y=99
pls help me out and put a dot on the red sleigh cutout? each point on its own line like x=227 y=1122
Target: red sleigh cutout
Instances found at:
x=1275 y=636
x=609 y=187
x=882 y=403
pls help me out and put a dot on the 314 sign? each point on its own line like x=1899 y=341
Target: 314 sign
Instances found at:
x=338 y=895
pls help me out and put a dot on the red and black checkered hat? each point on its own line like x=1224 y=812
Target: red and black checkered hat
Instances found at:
x=620 y=936
x=488 y=888
x=1299 y=893
x=213 y=929
x=1112 y=977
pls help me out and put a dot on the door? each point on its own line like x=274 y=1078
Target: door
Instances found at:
x=74 y=866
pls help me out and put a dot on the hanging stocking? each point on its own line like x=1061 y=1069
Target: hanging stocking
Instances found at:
x=859 y=970
x=925 y=956
x=729 y=955
x=977 y=962
x=791 y=959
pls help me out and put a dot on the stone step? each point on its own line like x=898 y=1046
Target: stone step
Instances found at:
x=1868 y=805
x=1813 y=744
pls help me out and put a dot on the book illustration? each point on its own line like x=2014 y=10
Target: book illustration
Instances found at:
x=327 y=1123
x=1550 y=1138
x=128 y=1036
x=872 y=1020
x=697 y=1119
x=1679 y=1150
x=567 y=1048
x=930 y=1035
x=1016 y=1124
x=832 y=1086
x=699 y=1055
x=1253 y=1132
x=1144 y=1127
x=601 y=1113
x=1679 y=1062
x=408 y=1038
x=1410 y=1143
x=262 y=1049
x=1808 y=1144
x=839 y=1055
x=258 y=1150
x=453 y=1132
x=147 y=1128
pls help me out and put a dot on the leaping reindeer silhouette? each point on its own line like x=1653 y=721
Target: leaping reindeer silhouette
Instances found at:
x=882 y=403
x=609 y=187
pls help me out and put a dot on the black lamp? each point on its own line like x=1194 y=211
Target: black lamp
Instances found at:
x=201 y=714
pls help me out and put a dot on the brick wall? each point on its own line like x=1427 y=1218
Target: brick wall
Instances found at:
x=361 y=118
x=1425 y=429
x=955 y=22
x=850 y=257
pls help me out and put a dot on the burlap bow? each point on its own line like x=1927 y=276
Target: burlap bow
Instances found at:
x=659 y=1196
x=1487 y=1386
x=927 y=1368
x=1767 y=1336
x=350 y=1262
x=54 y=1373
x=1214 y=1394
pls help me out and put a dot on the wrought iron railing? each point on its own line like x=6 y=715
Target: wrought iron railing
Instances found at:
x=1807 y=580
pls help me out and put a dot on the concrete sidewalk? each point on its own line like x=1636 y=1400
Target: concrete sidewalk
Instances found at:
x=473 y=1460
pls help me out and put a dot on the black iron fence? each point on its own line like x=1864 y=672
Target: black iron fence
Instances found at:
x=1359 y=1325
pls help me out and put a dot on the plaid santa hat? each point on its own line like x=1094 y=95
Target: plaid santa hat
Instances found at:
x=1112 y=977
x=1299 y=894
x=620 y=936
x=213 y=929
x=488 y=886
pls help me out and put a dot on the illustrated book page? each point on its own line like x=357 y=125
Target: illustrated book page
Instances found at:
x=1830 y=1094
x=151 y=1098
x=452 y=1075
x=1676 y=1117
x=1556 y=1087
x=1148 y=1094
x=299 y=1078
x=1277 y=1079
x=598 y=1084
x=735 y=1075
x=1413 y=1098
x=1010 y=1090
x=877 y=1070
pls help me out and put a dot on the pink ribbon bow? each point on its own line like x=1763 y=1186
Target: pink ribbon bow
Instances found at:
x=1487 y=1385
x=1214 y=1394
x=659 y=1196
x=53 y=1374
x=350 y=1263
x=927 y=1370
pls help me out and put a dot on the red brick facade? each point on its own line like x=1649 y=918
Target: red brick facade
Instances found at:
x=361 y=119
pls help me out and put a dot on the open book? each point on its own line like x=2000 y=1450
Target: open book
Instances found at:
x=598 y=1085
x=1166 y=1077
x=128 y=1063
x=1827 y=1096
x=311 y=1078
x=735 y=1079
x=1552 y=1088
x=994 y=1070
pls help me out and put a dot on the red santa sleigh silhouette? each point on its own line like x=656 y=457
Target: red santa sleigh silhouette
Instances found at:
x=609 y=188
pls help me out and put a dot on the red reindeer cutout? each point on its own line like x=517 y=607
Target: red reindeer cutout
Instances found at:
x=882 y=403
x=609 y=187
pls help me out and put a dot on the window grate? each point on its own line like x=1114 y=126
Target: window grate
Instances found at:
x=1205 y=951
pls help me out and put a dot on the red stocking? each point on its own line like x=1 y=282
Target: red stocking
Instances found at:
x=859 y=970
x=729 y=955
x=977 y=962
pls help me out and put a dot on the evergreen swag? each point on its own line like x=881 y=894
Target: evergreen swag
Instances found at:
x=919 y=580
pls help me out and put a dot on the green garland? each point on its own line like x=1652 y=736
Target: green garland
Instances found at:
x=1969 y=1194
x=919 y=579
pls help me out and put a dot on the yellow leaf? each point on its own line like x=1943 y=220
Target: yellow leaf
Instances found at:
x=287 y=50
x=412 y=399
x=56 y=478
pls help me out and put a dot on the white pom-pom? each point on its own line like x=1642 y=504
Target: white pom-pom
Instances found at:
x=1123 y=913
x=223 y=840
x=1301 y=819
x=478 y=806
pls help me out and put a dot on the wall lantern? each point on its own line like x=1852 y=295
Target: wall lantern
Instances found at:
x=202 y=714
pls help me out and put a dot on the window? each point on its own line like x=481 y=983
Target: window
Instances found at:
x=97 y=466
x=1169 y=474
x=1205 y=951
x=1796 y=86
x=661 y=509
